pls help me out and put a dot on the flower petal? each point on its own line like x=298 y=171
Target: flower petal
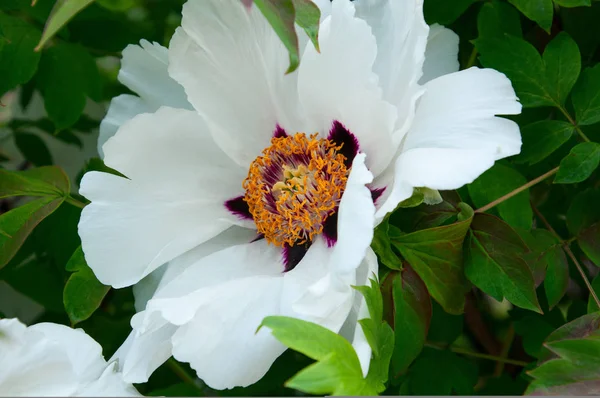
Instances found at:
x=441 y=55
x=109 y=384
x=144 y=71
x=172 y=201
x=456 y=135
x=338 y=84
x=232 y=66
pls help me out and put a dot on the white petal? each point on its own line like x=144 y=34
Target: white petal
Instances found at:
x=109 y=384
x=338 y=84
x=232 y=66
x=144 y=71
x=441 y=55
x=401 y=33
x=172 y=201
x=455 y=136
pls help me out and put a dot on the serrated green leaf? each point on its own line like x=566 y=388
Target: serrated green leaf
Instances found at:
x=43 y=181
x=17 y=224
x=540 y=11
x=589 y=242
x=563 y=64
x=573 y=3
x=436 y=256
x=497 y=182
x=281 y=16
x=63 y=12
x=542 y=138
x=579 y=164
x=83 y=293
x=445 y=12
x=308 y=17
x=18 y=61
x=496 y=19
x=494 y=264
x=586 y=96
x=33 y=148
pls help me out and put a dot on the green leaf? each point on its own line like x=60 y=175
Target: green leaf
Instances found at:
x=43 y=181
x=591 y=305
x=563 y=64
x=557 y=275
x=583 y=211
x=497 y=182
x=589 y=242
x=18 y=61
x=33 y=148
x=436 y=256
x=540 y=11
x=586 y=97
x=17 y=224
x=308 y=17
x=573 y=3
x=579 y=164
x=117 y=5
x=382 y=246
x=542 y=138
x=445 y=12
x=445 y=328
x=523 y=65
x=534 y=329
x=410 y=315
x=83 y=292
x=67 y=75
x=63 y=12
x=428 y=216
x=494 y=262
x=281 y=15
x=496 y=19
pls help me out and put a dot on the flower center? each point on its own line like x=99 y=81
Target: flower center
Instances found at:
x=294 y=186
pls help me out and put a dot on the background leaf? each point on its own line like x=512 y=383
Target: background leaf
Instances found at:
x=586 y=96
x=581 y=162
x=62 y=12
x=540 y=11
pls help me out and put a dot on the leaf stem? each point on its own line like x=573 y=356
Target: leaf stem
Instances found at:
x=574 y=123
x=472 y=58
x=183 y=375
x=508 y=340
x=567 y=249
x=517 y=191
x=479 y=355
x=72 y=201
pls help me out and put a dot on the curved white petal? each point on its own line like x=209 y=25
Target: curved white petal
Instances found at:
x=232 y=66
x=144 y=71
x=441 y=55
x=109 y=384
x=172 y=200
x=456 y=135
x=338 y=84
x=401 y=33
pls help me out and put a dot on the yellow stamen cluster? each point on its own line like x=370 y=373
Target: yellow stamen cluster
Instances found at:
x=294 y=186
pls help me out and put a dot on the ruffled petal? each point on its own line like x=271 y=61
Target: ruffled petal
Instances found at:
x=441 y=55
x=122 y=108
x=338 y=84
x=232 y=66
x=109 y=384
x=456 y=135
x=172 y=200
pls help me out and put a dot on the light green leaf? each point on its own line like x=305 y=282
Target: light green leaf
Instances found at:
x=540 y=11
x=497 y=182
x=496 y=19
x=542 y=138
x=586 y=96
x=18 y=61
x=573 y=3
x=579 y=164
x=43 y=181
x=436 y=256
x=17 y=224
x=63 y=12
x=308 y=17
x=494 y=264
x=83 y=293
x=563 y=64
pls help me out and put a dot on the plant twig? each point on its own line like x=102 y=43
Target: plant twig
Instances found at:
x=567 y=249
x=574 y=123
x=72 y=201
x=462 y=351
x=517 y=191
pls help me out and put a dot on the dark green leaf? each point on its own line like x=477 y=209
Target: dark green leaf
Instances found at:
x=540 y=11
x=83 y=292
x=563 y=63
x=591 y=305
x=497 y=19
x=62 y=13
x=43 y=181
x=445 y=12
x=382 y=246
x=583 y=211
x=445 y=328
x=18 y=61
x=586 y=96
x=33 y=148
x=436 y=256
x=579 y=164
x=494 y=264
x=540 y=139
x=557 y=275
x=589 y=242
x=573 y=3
x=534 y=329
x=117 y=5
x=17 y=224
x=497 y=182
x=281 y=15
x=308 y=17
x=428 y=216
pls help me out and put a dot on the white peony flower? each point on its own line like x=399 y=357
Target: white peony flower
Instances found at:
x=48 y=359
x=262 y=199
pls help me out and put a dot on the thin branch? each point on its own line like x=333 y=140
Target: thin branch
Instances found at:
x=517 y=191
x=463 y=351
x=567 y=249
x=574 y=123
